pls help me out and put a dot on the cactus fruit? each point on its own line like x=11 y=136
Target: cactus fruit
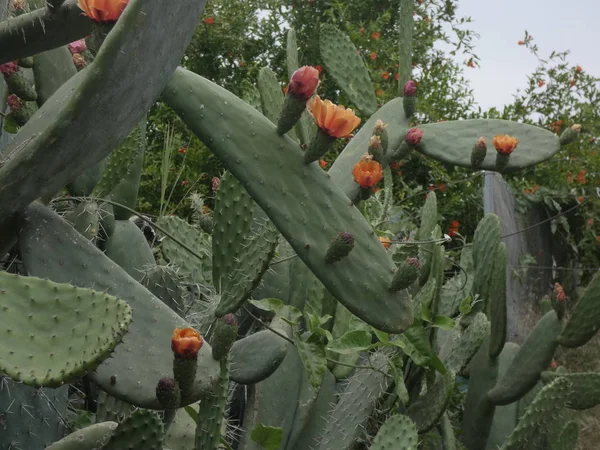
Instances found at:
x=570 y=134
x=224 y=335
x=409 y=97
x=303 y=84
x=340 y=247
x=478 y=153
x=406 y=274
x=185 y=343
x=168 y=393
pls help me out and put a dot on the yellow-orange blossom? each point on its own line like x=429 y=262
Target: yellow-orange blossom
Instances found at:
x=367 y=173
x=333 y=120
x=103 y=10
x=505 y=144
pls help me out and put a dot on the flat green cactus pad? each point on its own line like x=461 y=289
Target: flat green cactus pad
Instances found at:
x=88 y=438
x=53 y=333
x=585 y=318
x=143 y=430
x=51 y=248
x=301 y=199
x=398 y=432
x=256 y=357
x=452 y=142
x=585 y=388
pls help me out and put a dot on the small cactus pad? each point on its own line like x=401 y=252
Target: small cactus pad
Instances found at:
x=540 y=415
x=181 y=433
x=51 y=248
x=451 y=142
x=53 y=333
x=129 y=248
x=534 y=356
x=256 y=357
x=89 y=438
x=428 y=409
x=497 y=294
x=485 y=247
x=585 y=318
x=343 y=61
x=398 y=433
x=142 y=430
x=271 y=169
x=460 y=348
x=585 y=388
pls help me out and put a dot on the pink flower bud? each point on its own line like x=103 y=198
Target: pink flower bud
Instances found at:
x=410 y=88
x=77 y=46
x=304 y=82
x=414 y=136
x=13 y=102
x=215 y=183
x=9 y=68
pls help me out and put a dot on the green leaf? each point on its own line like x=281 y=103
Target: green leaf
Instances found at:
x=192 y=412
x=351 y=342
x=269 y=438
x=10 y=126
x=383 y=337
x=466 y=305
x=289 y=314
x=443 y=322
x=426 y=314
x=400 y=386
x=312 y=354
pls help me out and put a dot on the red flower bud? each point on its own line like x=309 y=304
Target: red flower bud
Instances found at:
x=77 y=46
x=304 y=82
x=414 y=136
x=9 y=68
x=410 y=88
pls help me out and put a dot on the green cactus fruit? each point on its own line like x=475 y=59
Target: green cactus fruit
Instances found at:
x=533 y=357
x=255 y=357
x=320 y=144
x=409 y=98
x=497 y=293
x=540 y=416
x=505 y=417
x=51 y=248
x=129 y=248
x=344 y=63
x=584 y=321
x=39 y=355
x=91 y=437
x=291 y=112
x=185 y=344
x=380 y=131
x=398 y=432
x=479 y=411
x=19 y=85
x=478 y=153
x=206 y=223
x=376 y=148
x=585 y=388
x=20 y=110
x=406 y=275
x=51 y=70
x=26 y=62
x=340 y=247
x=570 y=134
x=224 y=336
x=429 y=408
x=168 y=393
x=451 y=142
x=294 y=193
x=142 y=430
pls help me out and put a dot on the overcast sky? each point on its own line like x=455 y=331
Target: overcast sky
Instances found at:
x=554 y=24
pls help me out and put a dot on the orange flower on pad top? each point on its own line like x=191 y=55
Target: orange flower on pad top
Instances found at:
x=367 y=173
x=505 y=144
x=333 y=120
x=385 y=241
x=102 y=10
x=186 y=342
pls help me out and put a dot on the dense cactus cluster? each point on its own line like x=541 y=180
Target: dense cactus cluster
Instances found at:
x=282 y=320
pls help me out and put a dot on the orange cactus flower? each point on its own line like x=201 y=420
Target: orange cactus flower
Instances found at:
x=323 y=163
x=505 y=144
x=186 y=342
x=209 y=20
x=385 y=75
x=333 y=120
x=375 y=35
x=367 y=173
x=385 y=241
x=521 y=43
x=102 y=10
x=541 y=83
x=379 y=92
x=373 y=56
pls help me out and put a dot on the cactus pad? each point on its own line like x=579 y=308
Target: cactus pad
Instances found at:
x=398 y=432
x=256 y=357
x=54 y=332
x=428 y=409
x=89 y=438
x=585 y=388
x=142 y=430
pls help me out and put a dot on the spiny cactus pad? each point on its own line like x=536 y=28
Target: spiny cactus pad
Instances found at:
x=51 y=70
x=89 y=438
x=129 y=248
x=428 y=409
x=53 y=333
x=255 y=357
x=451 y=142
x=533 y=357
x=585 y=388
x=485 y=246
x=301 y=200
x=458 y=351
x=346 y=66
x=97 y=108
x=51 y=248
x=497 y=293
x=585 y=318
x=398 y=432
x=190 y=267
x=142 y=430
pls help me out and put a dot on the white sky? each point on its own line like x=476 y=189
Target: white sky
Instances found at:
x=554 y=24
